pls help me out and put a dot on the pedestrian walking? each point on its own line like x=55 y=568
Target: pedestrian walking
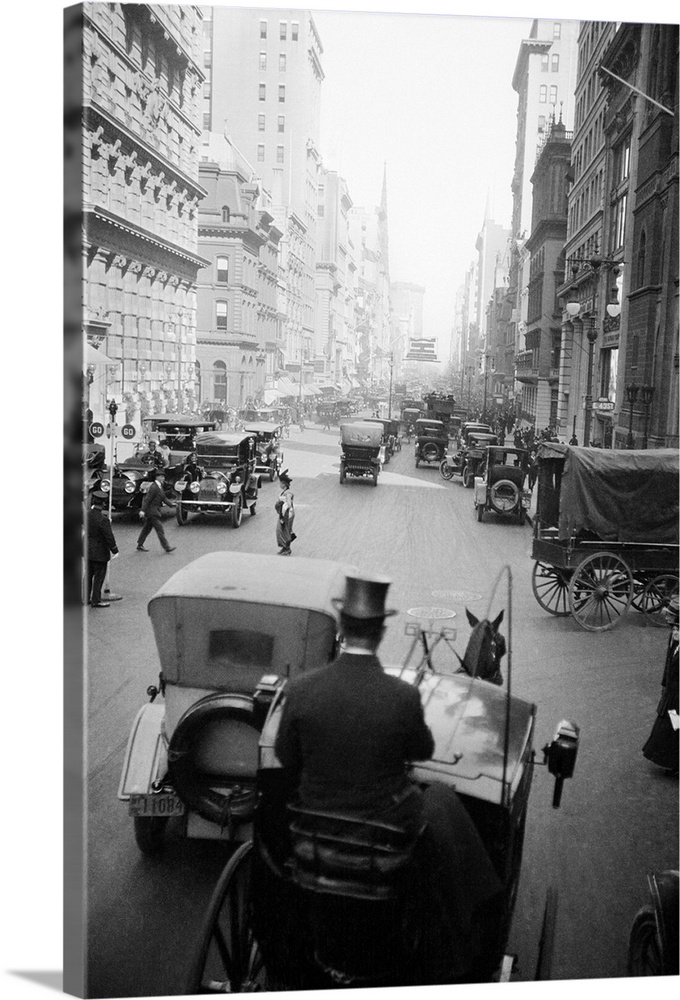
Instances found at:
x=101 y=545
x=154 y=500
x=285 y=509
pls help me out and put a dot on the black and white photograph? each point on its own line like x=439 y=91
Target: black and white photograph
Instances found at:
x=370 y=519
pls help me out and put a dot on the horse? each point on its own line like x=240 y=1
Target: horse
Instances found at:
x=485 y=649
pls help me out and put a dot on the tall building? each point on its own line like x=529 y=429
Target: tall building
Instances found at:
x=238 y=328
x=491 y=247
x=263 y=87
x=538 y=366
x=140 y=145
x=334 y=340
x=545 y=81
x=407 y=317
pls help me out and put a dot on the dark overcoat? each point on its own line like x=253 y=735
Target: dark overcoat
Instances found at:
x=100 y=539
x=349 y=731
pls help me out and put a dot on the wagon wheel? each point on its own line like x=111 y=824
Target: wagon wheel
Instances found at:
x=600 y=591
x=641 y=580
x=645 y=955
x=551 y=586
x=657 y=595
x=228 y=958
x=546 y=944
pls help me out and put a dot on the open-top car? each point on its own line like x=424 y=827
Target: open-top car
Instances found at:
x=228 y=484
x=500 y=484
x=362 y=452
x=229 y=628
x=268 y=453
x=179 y=435
x=431 y=441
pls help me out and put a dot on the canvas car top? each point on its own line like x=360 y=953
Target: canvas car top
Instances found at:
x=625 y=496
x=261 y=427
x=218 y=439
x=361 y=433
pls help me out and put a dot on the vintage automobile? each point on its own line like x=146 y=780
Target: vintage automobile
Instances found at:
x=179 y=435
x=268 y=453
x=389 y=439
x=362 y=453
x=228 y=627
x=325 y=900
x=431 y=441
x=130 y=481
x=407 y=421
x=229 y=484
x=500 y=483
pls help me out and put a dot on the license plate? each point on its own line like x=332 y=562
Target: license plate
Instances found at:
x=156 y=805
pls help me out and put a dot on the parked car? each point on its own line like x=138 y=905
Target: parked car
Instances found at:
x=431 y=441
x=474 y=453
x=501 y=481
x=179 y=435
x=268 y=453
x=230 y=628
x=362 y=452
x=229 y=484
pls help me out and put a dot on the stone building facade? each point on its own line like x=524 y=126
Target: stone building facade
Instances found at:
x=334 y=337
x=140 y=146
x=238 y=336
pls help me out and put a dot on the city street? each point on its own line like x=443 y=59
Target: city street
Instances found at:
x=619 y=815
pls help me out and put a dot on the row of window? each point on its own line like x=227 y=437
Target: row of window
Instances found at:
x=260 y=153
x=283 y=30
x=588 y=146
x=588 y=202
x=282 y=61
x=263 y=92
x=550 y=62
x=262 y=122
x=543 y=94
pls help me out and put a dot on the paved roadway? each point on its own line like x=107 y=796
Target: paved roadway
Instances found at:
x=619 y=816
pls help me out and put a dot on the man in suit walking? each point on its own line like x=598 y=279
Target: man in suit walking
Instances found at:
x=347 y=735
x=154 y=500
x=101 y=544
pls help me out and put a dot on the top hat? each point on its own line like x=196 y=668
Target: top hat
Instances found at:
x=364 y=598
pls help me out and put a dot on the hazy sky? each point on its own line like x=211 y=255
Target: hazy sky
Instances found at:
x=431 y=97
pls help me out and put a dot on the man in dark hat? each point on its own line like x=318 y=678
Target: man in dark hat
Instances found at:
x=100 y=545
x=154 y=500
x=347 y=735
x=285 y=509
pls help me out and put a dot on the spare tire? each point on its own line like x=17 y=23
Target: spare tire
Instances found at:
x=212 y=758
x=429 y=452
x=504 y=496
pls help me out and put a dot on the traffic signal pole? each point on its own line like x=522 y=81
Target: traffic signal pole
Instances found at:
x=113 y=427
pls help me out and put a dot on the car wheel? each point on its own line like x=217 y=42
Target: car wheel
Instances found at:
x=149 y=834
x=181 y=514
x=445 y=470
x=468 y=478
x=237 y=512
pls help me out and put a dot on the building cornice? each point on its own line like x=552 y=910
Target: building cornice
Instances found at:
x=95 y=117
x=96 y=219
x=526 y=48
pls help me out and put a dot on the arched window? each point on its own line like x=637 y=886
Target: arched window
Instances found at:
x=221 y=315
x=642 y=253
x=222 y=270
x=226 y=214
x=220 y=380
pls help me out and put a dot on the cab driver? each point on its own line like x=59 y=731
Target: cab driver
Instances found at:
x=348 y=733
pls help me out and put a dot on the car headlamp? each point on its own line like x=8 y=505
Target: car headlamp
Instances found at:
x=179 y=486
x=221 y=488
x=105 y=485
x=194 y=487
x=129 y=487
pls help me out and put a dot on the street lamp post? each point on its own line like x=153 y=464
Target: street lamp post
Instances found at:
x=592 y=337
x=647 y=393
x=631 y=395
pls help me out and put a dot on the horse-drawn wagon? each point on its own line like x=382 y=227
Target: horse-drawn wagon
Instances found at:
x=605 y=533
x=318 y=901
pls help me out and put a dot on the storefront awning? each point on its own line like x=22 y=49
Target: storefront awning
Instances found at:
x=91 y=356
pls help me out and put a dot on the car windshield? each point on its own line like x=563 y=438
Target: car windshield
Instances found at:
x=215 y=457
